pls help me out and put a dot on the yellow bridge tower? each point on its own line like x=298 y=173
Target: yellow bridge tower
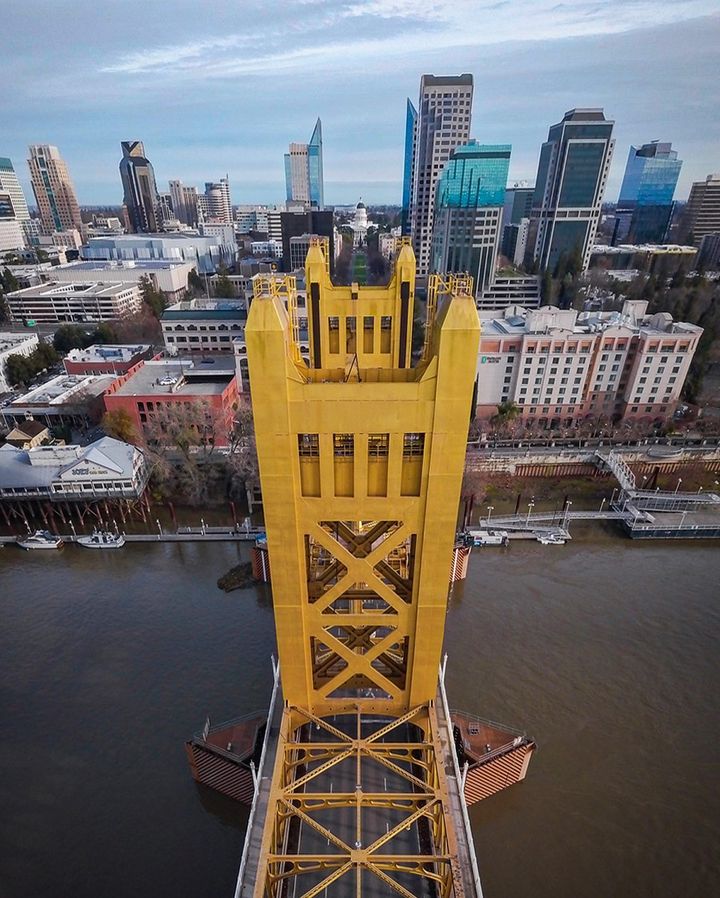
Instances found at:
x=361 y=456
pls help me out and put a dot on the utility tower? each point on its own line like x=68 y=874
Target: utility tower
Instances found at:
x=361 y=459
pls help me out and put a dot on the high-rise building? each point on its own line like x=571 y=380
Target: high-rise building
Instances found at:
x=54 y=190
x=410 y=126
x=442 y=123
x=184 y=203
x=14 y=215
x=304 y=170
x=219 y=208
x=468 y=211
x=140 y=194
x=571 y=178
x=297 y=224
x=516 y=220
x=646 y=195
x=702 y=213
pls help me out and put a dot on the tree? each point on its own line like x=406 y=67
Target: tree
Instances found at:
x=70 y=336
x=223 y=285
x=18 y=369
x=242 y=461
x=506 y=412
x=195 y=282
x=154 y=299
x=546 y=288
x=118 y=423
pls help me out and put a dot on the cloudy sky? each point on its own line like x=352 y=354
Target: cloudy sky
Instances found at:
x=225 y=86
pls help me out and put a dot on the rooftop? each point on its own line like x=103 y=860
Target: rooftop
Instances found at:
x=179 y=377
x=46 y=464
x=123 y=265
x=65 y=388
x=12 y=341
x=93 y=289
x=224 y=309
x=644 y=248
x=107 y=352
x=517 y=321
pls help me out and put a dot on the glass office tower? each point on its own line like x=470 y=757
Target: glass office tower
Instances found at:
x=304 y=171
x=571 y=178
x=646 y=196
x=410 y=123
x=140 y=194
x=468 y=211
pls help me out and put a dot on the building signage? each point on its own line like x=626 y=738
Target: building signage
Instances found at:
x=491 y=359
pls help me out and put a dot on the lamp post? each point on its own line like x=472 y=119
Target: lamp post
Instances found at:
x=567 y=512
x=678 y=484
x=612 y=498
x=531 y=505
x=602 y=504
x=490 y=509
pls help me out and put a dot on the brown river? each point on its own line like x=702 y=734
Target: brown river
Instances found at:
x=605 y=650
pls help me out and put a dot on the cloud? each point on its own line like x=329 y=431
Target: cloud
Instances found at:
x=320 y=33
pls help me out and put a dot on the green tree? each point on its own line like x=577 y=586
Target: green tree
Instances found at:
x=18 y=369
x=195 y=282
x=223 y=285
x=153 y=298
x=70 y=336
x=546 y=288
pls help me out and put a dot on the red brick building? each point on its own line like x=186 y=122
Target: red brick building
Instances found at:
x=108 y=358
x=149 y=386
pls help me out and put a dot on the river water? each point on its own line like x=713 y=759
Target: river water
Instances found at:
x=606 y=651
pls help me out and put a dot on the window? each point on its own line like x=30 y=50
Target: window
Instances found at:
x=378 y=445
x=413 y=445
x=343 y=444
x=308 y=445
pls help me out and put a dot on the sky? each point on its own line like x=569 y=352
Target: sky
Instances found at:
x=223 y=87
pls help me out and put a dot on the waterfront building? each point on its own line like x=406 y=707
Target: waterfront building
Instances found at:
x=169 y=276
x=140 y=193
x=67 y=401
x=645 y=203
x=468 y=211
x=14 y=344
x=149 y=386
x=510 y=290
x=54 y=190
x=106 y=358
x=702 y=213
x=203 y=325
x=441 y=123
x=205 y=254
x=561 y=366
x=74 y=302
x=569 y=188
x=304 y=171
x=105 y=469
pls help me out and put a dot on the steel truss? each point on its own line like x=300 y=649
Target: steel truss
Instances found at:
x=417 y=845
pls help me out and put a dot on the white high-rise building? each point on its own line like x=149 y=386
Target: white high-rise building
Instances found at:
x=441 y=123
x=54 y=190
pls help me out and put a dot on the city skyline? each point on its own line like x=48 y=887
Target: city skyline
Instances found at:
x=358 y=63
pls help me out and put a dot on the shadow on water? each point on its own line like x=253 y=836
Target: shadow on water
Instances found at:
x=226 y=810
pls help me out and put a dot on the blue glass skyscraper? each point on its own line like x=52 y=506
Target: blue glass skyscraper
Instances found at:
x=468 y=211
x=304 y=171
x=410 y=122
x=646 y=195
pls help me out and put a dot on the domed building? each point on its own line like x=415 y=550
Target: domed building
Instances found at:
x=360 y=224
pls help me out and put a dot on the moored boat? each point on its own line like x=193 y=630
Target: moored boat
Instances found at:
x=489 y=537
x=41 y=539
x=102 y=539
x=551 y=539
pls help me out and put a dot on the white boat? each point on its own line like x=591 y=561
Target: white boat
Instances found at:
x=102 y=539
x=551 y=539
x=489 y=537
x=41 y=539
